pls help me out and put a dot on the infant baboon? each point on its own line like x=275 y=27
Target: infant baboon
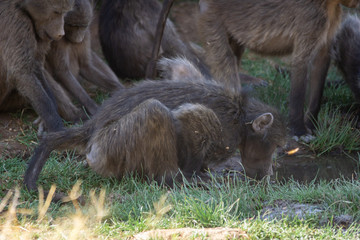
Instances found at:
x=303 y=28
x=127 y=32
x=248 y=125
x=71 y=58
x=28 y=27
x=346 y=53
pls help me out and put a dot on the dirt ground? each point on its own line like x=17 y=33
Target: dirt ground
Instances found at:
x=13 y=128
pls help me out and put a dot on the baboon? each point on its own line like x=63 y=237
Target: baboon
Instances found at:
x=127 y=31
x=71 y=58
x=303 y=28
x=252 y=127
x=346 y=53
x=28 y=27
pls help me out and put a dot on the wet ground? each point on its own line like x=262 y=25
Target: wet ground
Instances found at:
x=306 y=168
x=302 y=168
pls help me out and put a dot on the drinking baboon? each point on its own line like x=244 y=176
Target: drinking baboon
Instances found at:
x=127 y=31
x=71 y=58
x=346 y=53
x=28 y=27
x=252 y=127
x=303 y=28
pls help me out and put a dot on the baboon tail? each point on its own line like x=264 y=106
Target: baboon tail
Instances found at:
x=180 y=69
x=74 y=137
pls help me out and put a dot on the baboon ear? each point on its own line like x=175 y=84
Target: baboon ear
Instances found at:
x=262 y=122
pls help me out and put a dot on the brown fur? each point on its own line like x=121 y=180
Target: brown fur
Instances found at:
x=274 y=27
x=71 y=58
x=127 y=32
x=28 y=27
x=346 y=53
x=247 y=126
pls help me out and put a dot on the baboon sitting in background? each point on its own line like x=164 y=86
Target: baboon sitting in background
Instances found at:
x=71 y=58
x=27 y=28
x=346 y=53
x=127 y=31
x=128 y=117
x=303 y=28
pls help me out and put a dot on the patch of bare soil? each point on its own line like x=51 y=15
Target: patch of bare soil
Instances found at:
x=191 y=233
x=12 y=128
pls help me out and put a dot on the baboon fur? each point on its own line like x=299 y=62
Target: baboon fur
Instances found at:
x=28 y=27
x=155 y=142
x=127 y=32
x=302 y=28
x=346 y=53
x=71 y=59
x=254 y=128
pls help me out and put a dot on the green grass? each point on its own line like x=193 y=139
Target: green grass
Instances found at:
x=132 y=206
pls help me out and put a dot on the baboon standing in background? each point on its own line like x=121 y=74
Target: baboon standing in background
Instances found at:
x=303 y=28
x=128 y=119
x=71 y=58
x=346 y=53
x=127 y=31
x=27 y=28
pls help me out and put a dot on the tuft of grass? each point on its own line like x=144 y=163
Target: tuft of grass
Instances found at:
x=335 y=131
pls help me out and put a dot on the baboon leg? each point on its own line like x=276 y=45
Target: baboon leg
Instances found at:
x=301 y=60
x=73 y=86
x=100 y=74
x=151 y=66
x=143 y=141
x=320 y=66
x=219 y=52
x=41 y=99
x=65 y=106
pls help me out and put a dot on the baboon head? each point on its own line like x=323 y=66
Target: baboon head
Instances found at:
x=350 y=3
x=48 y=16
x=264 y=133
x=78 y=20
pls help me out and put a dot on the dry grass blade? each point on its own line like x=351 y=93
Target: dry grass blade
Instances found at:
x=43 y=207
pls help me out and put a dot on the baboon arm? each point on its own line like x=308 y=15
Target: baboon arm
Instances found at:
x=318 y=75
x=74 y=87
x=65 y=106
x=193 y=166
x=100 y=74
x=34 y=88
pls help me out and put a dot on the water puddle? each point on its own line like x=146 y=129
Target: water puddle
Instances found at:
x=305 y=168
